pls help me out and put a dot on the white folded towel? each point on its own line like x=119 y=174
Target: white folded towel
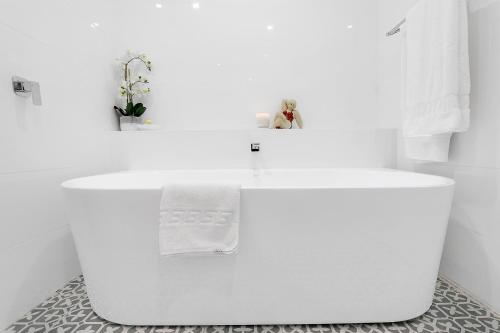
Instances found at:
x=436 y=78
x=199 y=219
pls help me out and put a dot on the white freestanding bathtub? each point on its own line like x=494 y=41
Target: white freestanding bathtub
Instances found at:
x=316 y=246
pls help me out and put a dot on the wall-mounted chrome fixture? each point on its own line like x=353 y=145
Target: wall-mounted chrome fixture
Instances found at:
x=396 y=29
x=25 y=88
x=255 y=147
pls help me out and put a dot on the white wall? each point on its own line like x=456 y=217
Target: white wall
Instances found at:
x=322 y=53
x=472 y=250
x=216 y=64
x=42 y=146
x=390 y=12
x=231 y=149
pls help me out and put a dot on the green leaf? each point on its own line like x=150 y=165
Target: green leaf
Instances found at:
x=139 y=109
x=120 y=110
x=129 y=110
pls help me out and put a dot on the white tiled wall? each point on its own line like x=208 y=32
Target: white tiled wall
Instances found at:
x=472 y=250
x=390 y=12
x=231 y=149
x=218 y=62
x=42 y=146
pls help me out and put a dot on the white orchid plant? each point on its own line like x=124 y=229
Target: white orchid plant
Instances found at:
x=134 y=84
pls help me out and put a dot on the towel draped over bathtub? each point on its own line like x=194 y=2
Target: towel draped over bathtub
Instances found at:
x=436 y=77
x=199 y=219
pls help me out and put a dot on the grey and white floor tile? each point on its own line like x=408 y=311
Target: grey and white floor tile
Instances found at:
x=69 y=311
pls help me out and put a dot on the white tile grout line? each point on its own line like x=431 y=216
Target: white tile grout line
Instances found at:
x=468 y=293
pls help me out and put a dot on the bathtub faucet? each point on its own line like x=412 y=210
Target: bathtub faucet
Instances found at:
x=255 y=147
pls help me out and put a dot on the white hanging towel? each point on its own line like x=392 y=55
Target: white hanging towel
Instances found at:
x=436 y=78
x=199 y=219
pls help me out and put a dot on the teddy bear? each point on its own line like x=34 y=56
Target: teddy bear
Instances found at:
x=289 y=117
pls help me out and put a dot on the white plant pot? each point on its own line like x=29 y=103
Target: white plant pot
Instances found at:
x=128 y=123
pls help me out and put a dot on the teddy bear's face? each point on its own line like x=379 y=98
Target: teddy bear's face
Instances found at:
x=291 y=105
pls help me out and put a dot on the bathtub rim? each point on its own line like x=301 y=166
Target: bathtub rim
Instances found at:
x=435 y=181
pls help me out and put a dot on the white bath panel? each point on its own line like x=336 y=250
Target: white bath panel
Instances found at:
x=346 y=242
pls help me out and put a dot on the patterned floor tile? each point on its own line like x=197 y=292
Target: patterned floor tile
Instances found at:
x=69 y=311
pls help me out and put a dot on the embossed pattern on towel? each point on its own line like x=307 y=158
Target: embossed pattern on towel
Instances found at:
x=180 y=216
x=199 y=219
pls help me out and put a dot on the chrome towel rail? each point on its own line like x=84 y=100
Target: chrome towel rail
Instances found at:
x=396 y=29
